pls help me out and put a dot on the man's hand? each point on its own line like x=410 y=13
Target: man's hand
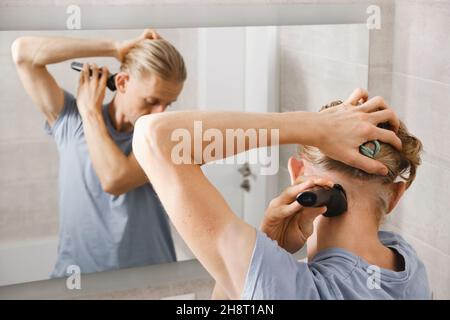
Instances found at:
x=125 y=46
x=345 y=127
x=91 y=90
x=288 y=222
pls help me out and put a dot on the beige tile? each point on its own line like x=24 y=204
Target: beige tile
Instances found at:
x=188 y=47
x=380 y=83
x=381 y=40
x=21 y=121
x=421 y=46
x=28 y=210
x=10 y=86
x=423 y=106
x=347 y=43
x=308 y=82
x=423 y=210
x=24 y=161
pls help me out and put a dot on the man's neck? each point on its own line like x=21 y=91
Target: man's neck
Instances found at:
x=118 y=119
x=354 y=233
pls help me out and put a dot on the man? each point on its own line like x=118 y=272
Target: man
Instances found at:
x=247 y=264
x=110 y=216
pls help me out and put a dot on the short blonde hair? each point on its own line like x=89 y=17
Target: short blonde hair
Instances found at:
x=155 y=57
x=401 y=164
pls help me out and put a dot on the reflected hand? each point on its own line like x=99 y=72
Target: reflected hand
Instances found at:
x=91 y=89
x=125 y=46
x=288 y=222
x=347 y=126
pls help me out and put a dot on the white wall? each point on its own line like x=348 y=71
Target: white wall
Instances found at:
x=421 y=95
x=319 y=64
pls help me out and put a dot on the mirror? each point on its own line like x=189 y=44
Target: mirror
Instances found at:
x=263 y=69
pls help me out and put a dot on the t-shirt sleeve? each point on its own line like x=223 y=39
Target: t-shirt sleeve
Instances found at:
x=68 y=123
x=275 y=274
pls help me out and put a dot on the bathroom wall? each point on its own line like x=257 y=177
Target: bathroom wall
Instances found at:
x=421 y=95
x=409 y=65
x=319 y=64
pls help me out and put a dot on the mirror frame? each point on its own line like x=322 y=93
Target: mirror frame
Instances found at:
x=50 y=17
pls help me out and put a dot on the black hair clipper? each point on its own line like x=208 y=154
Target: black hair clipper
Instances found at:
x=110 y=83
x=334 y=199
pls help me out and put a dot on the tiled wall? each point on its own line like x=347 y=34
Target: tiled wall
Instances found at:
x=421 y=96
x=409 y=65
x=319 y=64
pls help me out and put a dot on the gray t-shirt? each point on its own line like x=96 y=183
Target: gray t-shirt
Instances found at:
x=333 y=273
x=99 y=231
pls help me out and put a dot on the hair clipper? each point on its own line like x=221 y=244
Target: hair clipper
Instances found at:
x=110 y=83
x=334 y=199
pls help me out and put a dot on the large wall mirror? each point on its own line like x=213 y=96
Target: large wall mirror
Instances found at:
x=261 y=68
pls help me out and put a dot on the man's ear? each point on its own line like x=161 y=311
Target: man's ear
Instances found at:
x=296 y=168
x=121 y=80
x=397 y=191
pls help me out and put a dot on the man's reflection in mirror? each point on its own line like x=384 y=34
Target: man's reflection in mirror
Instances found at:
x=110 y=216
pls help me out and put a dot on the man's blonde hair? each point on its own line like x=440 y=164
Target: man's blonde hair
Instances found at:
x=155 y=57
x=401 y=164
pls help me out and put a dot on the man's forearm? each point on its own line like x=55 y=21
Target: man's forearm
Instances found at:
x=41 y=51
x=293 y=127
x=107 y=159
x=218 y=293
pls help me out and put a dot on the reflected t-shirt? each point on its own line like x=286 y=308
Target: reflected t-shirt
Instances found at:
x=333 y=273
x=99 y=231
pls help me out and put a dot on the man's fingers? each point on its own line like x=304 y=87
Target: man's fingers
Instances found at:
x=156 y=35
x=104 y=77
x=290 y=194
x=389 y=137
x=309 y=214
x=386 y=115
x=95 y=73
x=150 y=34
x=292 y=208
x=357 y=96
x=85 y=72
x=367 y=164
x=81 y=79
x=380 y=112
x=373 y=104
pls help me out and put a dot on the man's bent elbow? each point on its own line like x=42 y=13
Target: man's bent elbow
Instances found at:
x=19 y=50
x=112 y=186
x=150 y=134
x=24 y=51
